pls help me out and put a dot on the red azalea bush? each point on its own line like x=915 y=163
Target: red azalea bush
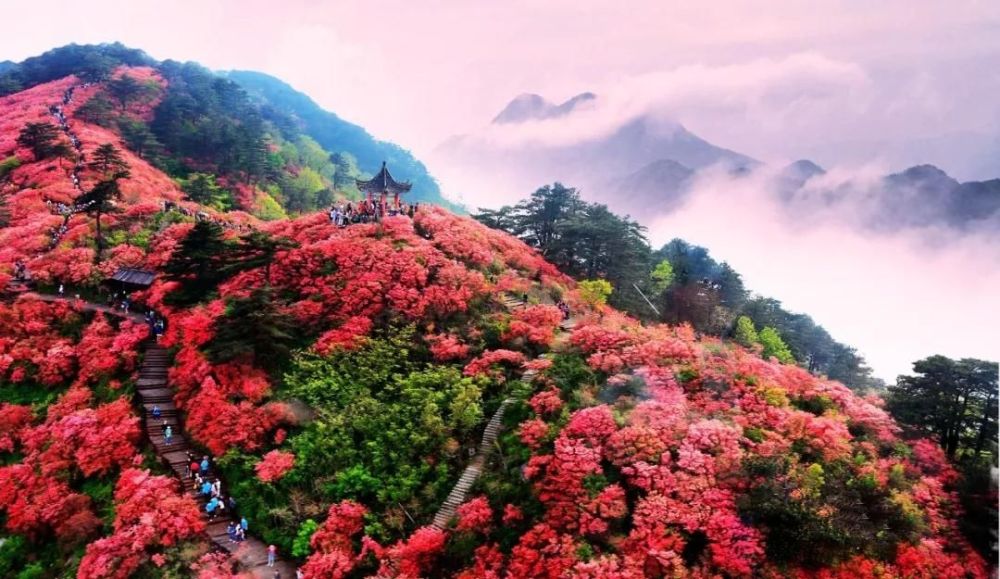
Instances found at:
x=274 y=465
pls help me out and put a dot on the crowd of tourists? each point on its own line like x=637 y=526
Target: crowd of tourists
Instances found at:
x=367 y=211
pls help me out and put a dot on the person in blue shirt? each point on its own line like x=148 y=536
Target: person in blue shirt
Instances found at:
x=206 y=488
x=243 y=523
x=204 y=464
x=156 y=411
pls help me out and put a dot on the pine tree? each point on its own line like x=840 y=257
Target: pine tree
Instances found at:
x=255 y=250
x=107 y=159
x=43 y=140
x=125 y=89
x=100 y=200
x=253 y=326
x=197 y=264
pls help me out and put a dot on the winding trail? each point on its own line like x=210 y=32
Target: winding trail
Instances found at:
x=460 y=492
x=153 y=390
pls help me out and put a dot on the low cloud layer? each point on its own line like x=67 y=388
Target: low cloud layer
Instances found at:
x=896 y=296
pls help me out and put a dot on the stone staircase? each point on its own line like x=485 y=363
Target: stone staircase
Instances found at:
x=151 y=387
x=459 y=493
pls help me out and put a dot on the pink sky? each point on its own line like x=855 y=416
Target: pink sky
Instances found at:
x=844 y=82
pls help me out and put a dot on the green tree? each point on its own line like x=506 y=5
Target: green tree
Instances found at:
x=662 y=276
x=99 y=110
x=43 y=140
x=775 y=346
x=99 y=200
x=952 y=400
x=197 y=264
x=255 y=250
x=253 y=326
x=595 y=291
x=745 y=333
x=139 y=139
x=126 y=89
x=202 y=188
x=108 y=160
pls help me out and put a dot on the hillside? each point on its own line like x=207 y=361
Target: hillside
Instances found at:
x=343 y=380
x=255 y=145
x=336 y=134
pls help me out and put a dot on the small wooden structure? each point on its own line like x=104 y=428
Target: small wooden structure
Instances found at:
x=128 y=279
x=382 y=185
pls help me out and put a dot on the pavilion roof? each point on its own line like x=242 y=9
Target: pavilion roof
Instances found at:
x=132 y=276
x=383 y=181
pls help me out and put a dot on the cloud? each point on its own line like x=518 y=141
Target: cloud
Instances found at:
x=756 y=89
x=897 y=297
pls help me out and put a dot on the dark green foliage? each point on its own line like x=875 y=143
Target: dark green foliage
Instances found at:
x=202 y=188
x=256 y=250
x=864 y=520
x=139 y=139
x=584 y=240
x=43 y=140
x=99 y=110
x=954 y=401
x=107 y=160
x=91 y=63
x=253 y=327
x=210 y=119
x=102 y=197
x=197 y=264
x=335 y=134
x=127 y=90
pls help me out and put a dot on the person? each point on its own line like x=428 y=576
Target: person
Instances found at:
x=231 y=503
x=204 y=464
x=243 y=524
x=168 y=434
x=217 y=488
x=272 y=553
x=195 y=469
x=157 y=412
x=231 y=531
x=211 y=506
x=241 y=534
x=61 y=290
x=206 y=488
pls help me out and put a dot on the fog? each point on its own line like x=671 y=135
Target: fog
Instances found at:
x=895 y=296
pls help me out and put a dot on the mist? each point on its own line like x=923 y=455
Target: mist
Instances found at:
x=897 y=296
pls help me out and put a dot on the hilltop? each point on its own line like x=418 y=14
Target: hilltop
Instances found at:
x=283 y=153
x=343 y=378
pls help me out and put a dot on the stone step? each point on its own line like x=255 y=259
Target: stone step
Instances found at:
x=157 y=395
x=164 y=412
x=147 y=383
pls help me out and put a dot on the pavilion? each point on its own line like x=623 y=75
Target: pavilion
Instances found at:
x=129 y=279
x=382 y=185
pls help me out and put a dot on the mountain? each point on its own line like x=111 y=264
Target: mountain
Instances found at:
x=918 y=197
x=336 y=134
x=373 y=397
x=661 y=184
x=267 y=148
x=528 y=107
x=532 y=141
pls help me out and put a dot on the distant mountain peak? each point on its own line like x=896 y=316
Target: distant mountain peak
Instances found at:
x=805 y=168
x=534 y=107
